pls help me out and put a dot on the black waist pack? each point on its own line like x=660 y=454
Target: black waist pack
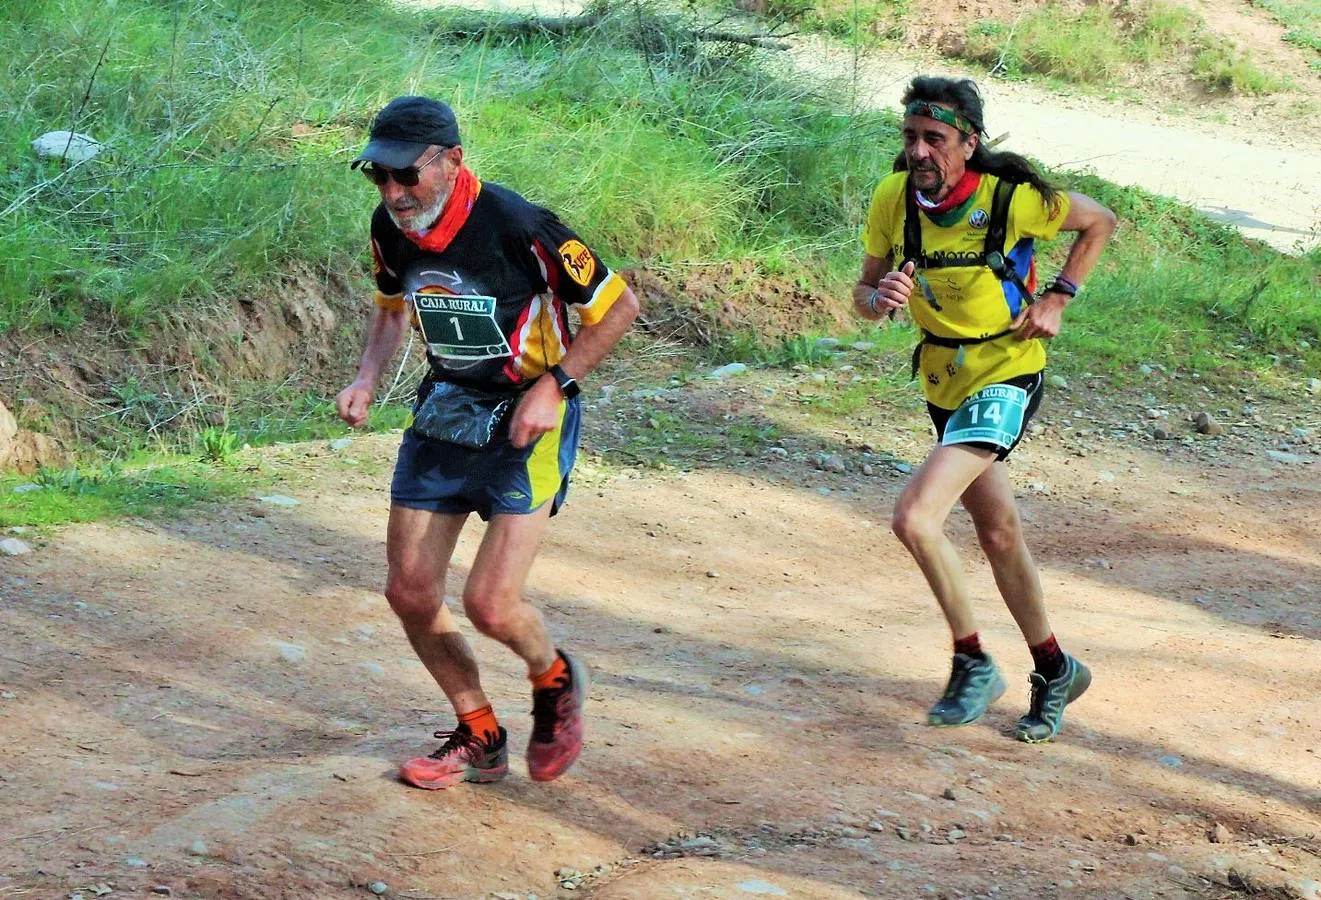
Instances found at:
x=465 y=416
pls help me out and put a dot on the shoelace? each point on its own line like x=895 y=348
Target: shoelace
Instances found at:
x=956 y=679
x=546 y=712
x=454 y=740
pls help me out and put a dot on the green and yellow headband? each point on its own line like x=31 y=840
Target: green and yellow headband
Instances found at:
x=940 y=114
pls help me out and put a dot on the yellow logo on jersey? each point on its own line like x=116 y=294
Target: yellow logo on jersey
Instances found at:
x=578 y=261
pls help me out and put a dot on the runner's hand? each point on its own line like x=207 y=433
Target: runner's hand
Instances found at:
x=537 y=412
x=352 y=403
x=1042 y=319
x=893 y=291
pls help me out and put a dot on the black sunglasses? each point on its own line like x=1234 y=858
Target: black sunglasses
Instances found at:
x=406 y=177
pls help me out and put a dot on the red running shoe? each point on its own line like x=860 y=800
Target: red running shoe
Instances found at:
x=557 y=723
x=462 y=757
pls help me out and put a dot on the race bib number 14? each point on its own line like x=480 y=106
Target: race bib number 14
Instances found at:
x=460 y=327
x=992 y=415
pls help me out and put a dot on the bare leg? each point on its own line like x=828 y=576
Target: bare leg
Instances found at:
x=419 y=545
x=919 y=521
x=990 y=502
x=493 y=596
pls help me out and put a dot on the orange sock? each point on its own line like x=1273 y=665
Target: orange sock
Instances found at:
x=482 y=723
x=552 y=676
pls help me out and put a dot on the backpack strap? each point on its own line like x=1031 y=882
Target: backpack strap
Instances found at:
x=997 y=231
x=912 y=229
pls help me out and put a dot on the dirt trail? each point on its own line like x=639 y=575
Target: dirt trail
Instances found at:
x=218 y=705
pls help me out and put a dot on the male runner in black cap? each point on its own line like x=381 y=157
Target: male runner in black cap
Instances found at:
x=487 y=278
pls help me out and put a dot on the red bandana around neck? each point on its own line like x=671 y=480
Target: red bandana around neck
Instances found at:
x=966 y=187
x=452 y=217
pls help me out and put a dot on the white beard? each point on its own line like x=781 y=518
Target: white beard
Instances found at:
x=419 y=220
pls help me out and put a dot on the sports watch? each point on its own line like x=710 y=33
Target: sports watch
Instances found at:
x=568 y=387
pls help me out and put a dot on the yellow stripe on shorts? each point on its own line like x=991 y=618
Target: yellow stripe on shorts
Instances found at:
x=543 y=465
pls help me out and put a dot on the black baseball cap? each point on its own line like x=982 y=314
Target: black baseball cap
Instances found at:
x=404 y=129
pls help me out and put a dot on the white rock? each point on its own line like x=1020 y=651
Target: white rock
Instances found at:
x=13 y=547
x=757 y=886
x=379 y=888
x=729 y=370
x=341 y=443
x=291 y=653
x=26 y=488
x=278 y=500
x=198 y=848
x=1057 y=381
x=68 y=145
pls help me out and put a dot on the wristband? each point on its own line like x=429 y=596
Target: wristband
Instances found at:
x=1058 y=286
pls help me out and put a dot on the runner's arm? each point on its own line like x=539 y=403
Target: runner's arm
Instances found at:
x=385 y=330
x=538 y=408
x=1094 y=224
x=880 y=292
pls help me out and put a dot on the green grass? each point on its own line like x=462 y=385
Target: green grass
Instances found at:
x=1101 y=46
x=1302 y=18
x=230 y=124
x=161 y=486
x=1224 y=69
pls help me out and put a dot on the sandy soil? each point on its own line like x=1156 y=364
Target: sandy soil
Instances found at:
x=217 y=705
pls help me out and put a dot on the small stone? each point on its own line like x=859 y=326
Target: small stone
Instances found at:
x=827 y=343
x=163 y=889
x=956 y=834
x=1058 y=381
x=1314 y=386
x=26 y=488
x=279 y=500
x=862 y=346
x=291 y=653
x=1288 y=459
x=197 y=848
x=341 y=443
x=831 y=462
x=1104 y=477
x=778 y=451
x=902 y=468
x=1133 y=839
x=1145 y=369
x=818 y=378
x=13 y=547
x=729 y=370
x=904 y=833
x=1036 y=429
x=1220 y=834
x=952 y=794
x=757 y=886
x=867 y=469
x=379 y=888
x=68 y=145
x=712 y=573
x=1163 y=431
x=1171 y=761
x=874 y=825
x=1038 y=487
x=848 y=831
x=134 y=862
x=8 y=695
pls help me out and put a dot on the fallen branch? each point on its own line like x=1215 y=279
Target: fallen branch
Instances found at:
x=564 y=26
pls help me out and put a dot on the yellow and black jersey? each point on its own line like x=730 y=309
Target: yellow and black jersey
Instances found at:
x=492 y=307
x=959 y=296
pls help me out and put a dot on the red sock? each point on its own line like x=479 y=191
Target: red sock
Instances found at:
x=969 y=646
x=482 y=723
x=1048 y=657
x=556 y=676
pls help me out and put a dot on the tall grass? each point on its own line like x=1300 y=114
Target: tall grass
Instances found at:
x=229 y=125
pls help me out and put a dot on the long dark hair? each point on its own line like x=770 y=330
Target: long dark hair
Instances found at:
x=962 y=94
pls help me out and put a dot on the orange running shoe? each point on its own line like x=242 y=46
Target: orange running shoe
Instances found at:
x=462 y=757
x=557 y=723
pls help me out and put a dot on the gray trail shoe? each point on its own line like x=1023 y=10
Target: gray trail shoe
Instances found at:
x=1045 y=713
x=974 y=684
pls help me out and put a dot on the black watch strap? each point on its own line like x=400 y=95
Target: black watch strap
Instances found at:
x=568 y=386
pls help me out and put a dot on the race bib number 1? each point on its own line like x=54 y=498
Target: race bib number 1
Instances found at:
x=460 y=327
x=993 y=415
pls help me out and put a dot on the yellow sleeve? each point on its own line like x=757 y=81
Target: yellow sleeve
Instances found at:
x=388 y=303
x=1033 y=217
x=879 y=228
x=604 y=297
